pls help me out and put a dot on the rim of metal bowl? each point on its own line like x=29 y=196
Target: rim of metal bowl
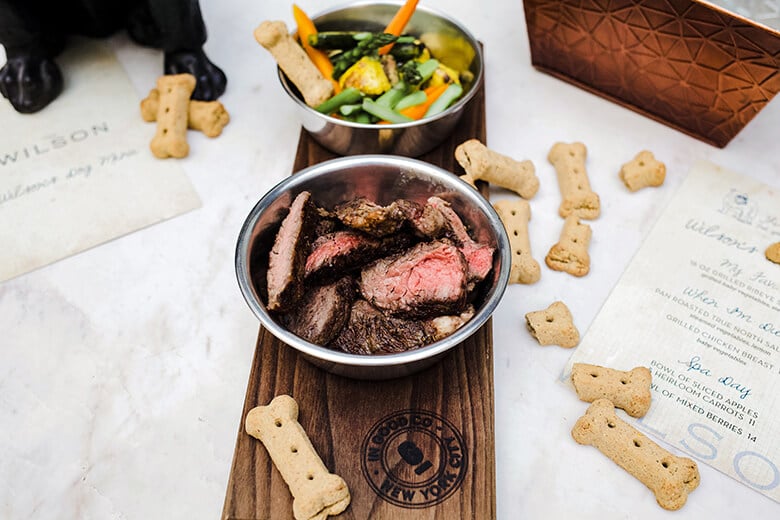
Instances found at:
x=452 y=108
x=492 y=298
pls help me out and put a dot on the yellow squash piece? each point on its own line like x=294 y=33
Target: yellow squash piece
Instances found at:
x=367 y=75
x=444 y=75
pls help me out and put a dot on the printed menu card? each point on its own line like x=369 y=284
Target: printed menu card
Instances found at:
x=699 y=305
x=79 y=172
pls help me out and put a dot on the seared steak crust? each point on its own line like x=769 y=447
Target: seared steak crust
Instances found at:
x=322 y=311
x=373 y=218
x=369 y=331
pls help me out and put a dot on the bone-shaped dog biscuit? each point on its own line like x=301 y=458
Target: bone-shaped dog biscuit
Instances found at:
x=170 y=139
x=209 y=117
x=570 y=253
x=515 y=214
x=643 y=171
x=482 y=163
x=576 y=194
x=471 y=181
x=628 y=390
x=317 y=493
x=772 y=253
x=669 y=477
x=553 y=326
x=294 y=61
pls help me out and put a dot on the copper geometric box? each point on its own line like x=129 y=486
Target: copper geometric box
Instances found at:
x=691 y=65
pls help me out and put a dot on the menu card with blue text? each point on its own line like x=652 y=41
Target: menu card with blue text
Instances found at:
x=699 y=305
x=79 y=172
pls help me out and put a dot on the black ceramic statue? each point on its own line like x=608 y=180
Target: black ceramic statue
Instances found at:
x=33 y=32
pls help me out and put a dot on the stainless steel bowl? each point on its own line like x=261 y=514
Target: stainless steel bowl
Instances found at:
x=381 y=178
x=408 y=139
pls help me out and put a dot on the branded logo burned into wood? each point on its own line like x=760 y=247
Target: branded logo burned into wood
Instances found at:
x=414 y=458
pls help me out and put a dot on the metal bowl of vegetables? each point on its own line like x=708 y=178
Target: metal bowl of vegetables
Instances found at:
x=406 y=107
x=371 y=341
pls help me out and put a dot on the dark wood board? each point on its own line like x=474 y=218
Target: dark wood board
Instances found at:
x=443 y=416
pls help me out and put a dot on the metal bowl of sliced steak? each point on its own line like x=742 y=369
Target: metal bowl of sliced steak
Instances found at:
x=372 y=266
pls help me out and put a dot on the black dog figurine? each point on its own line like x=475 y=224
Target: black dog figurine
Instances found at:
x=33 y=32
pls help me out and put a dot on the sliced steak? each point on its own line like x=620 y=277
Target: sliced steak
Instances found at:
x=287 y=259
x=426 y=220
x=325 y=224
x=372 y=218
x=369 y=331
x=335 y=253
x=429 y=279
x=322 y=311
x=478 y=256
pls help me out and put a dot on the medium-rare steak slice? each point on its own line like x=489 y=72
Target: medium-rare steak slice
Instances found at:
x=427 y=280
x=340 y=251
x=370 y=331
x=322 y=311
x=479 y=257
x=287 y=260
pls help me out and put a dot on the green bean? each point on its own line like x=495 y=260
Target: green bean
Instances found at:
x=350 y=110
x=452 y=93
x=415 y=98
x=364 y=117
x=427 y=68
x=384 y=113
x=347 y=96
x=393 y=96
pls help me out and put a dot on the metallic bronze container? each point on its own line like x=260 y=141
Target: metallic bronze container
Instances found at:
x=686 y=63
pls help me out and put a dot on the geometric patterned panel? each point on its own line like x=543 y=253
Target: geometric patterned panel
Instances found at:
x=691 y=65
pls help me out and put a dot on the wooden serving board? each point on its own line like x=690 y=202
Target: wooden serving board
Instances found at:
x=420 y=447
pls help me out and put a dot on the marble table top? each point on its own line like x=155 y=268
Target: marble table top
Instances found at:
x=123 y=369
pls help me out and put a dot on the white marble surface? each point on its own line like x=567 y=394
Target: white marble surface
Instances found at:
x=123 y=369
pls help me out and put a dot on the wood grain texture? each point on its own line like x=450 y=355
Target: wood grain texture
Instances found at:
x=360 y=428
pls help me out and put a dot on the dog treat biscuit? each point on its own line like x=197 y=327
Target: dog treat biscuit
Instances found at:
x=669 y=477
x=469 y=179
x=515 y=215
x=170 y=140
x=628 y=390
x=482 y=163
x=553 y=326
x=294 y=62
x=772 y=253
x=316 y=492
x=570 y=253
x=643 y=171
x=576 y=194
x=209 y=117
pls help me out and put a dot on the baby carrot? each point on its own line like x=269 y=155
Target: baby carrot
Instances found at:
x=399 y=21
x=319 y=58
